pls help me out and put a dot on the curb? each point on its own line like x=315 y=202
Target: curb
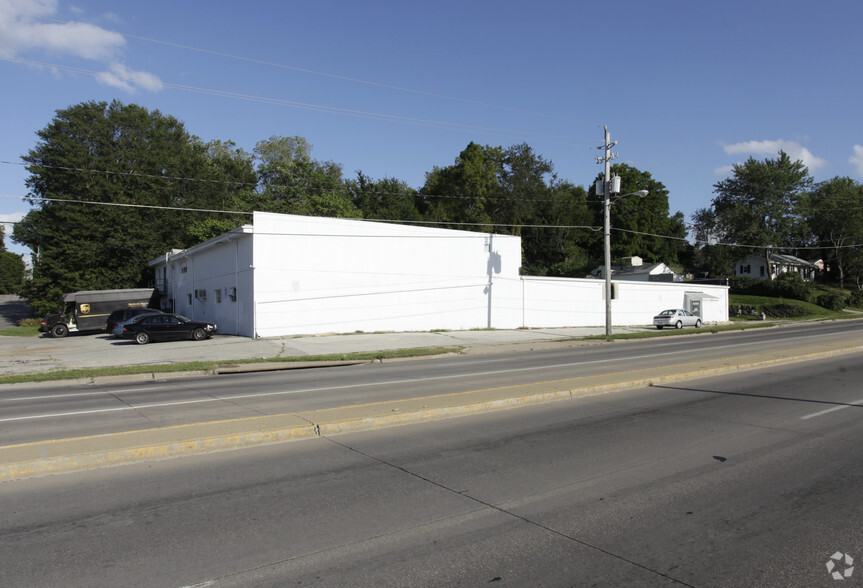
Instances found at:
x=81 y=453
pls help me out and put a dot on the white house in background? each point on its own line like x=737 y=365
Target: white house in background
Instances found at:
x=755 y=266
x=287 y=275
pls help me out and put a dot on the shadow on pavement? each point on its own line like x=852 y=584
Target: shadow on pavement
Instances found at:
x=12 y=310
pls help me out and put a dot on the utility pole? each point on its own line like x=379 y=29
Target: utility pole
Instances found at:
x=606 y=193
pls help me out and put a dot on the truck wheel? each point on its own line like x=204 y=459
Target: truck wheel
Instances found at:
x=142 y=338
x=59 y=330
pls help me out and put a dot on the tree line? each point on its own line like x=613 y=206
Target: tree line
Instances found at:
x=114 y=186
x=774 y=206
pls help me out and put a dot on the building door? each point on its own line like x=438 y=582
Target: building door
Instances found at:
x=695 y=306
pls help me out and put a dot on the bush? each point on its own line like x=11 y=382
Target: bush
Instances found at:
x=744 y=310
x=768 y=310
x=743 y=285
x=831 y=301
x=856 y=299
x=783 y=310
x=791 y=285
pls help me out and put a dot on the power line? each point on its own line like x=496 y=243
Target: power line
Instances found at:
x=337 y=76
x=319 y=108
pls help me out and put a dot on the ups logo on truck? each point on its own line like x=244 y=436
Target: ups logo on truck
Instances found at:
x=85 y=309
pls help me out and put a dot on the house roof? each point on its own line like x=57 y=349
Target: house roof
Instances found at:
x=783 y=259
x=634 y=270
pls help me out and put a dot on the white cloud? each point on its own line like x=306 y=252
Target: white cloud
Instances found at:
x=795 y=151
x=22 y=29
x=723 y=171
x=119 y=76
x=857 y=159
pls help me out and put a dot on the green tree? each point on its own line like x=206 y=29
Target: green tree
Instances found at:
x=762 y=203
x=711 y=258
x=229 y=176
x=386 y=199
x=12 y=268
x=465 y=191
x=524 y=180
x=643 y=226
x=836 y=219
x=291 y=182
x=564 y=235
x=105 y=180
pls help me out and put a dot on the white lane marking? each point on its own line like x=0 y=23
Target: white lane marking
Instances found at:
x=829 y=410
x=330 y=388
x=79 y=394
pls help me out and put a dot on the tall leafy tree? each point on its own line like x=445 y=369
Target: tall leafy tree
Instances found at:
x=229 y=182
x=291 y=182
x=524 y=178
x=711 y=257
x=643 y=226
x=104 y=180
x=836 y=218
x=761 y=203
x=11 y=268
x=385 y=199
x=564 y=236
x=465 y=192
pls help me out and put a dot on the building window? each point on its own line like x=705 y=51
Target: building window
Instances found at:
x=218 y=295
x=185 y=269
x=201 y=295
x=189 y=300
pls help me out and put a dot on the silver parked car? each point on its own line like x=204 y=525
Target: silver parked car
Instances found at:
x=677 y=318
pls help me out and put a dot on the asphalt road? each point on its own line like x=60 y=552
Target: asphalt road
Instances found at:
x=69 y=410
x=747 y=480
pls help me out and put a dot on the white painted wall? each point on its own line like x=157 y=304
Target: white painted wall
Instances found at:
x=560 y=302
x=221 y=269
x=318 y=275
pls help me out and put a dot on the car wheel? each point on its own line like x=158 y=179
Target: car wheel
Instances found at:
x=658 y=327
x=142 y=338
x=678 y=325
x=59 y=330
x=697 y=324
x=199 y=335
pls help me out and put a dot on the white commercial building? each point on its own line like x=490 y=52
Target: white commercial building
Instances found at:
x=288 y=275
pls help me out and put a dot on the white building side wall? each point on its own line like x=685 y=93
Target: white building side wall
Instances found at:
x=561 y=302
x=213 y=282
x=319 y=275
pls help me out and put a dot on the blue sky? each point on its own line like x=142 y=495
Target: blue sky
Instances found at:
x=395 y=88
